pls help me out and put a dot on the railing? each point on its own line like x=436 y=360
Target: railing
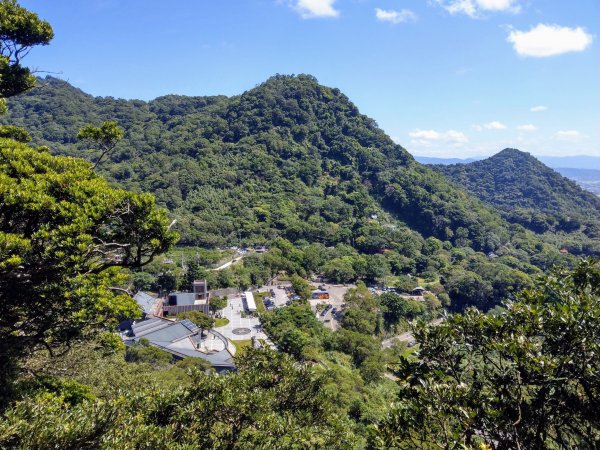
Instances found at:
x=176 y=309
x=228 y=345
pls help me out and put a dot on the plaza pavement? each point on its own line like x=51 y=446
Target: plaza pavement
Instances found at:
x=232 y=312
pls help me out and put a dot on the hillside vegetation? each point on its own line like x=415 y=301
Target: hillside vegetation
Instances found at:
x=531 y=194
x=288 y=158
x=293 y=164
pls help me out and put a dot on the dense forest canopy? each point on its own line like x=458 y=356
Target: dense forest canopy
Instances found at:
x=531 y=194
x=295 y=164
x=288 y=158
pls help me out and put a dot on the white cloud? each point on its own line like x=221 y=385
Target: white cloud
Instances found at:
x=494 y=125
x=528 y=127
x=425 y=134
x=426 y=138
x=459 y=6
x=538 y=108
x=549 y=40
x=316 y=8
x=395 y=17
x=569 y=135
x=475 y=8
x=499 y=5
x=456 y=136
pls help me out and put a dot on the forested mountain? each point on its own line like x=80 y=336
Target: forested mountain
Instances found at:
x=292 y=163
x=289 y=157
x=531 y=194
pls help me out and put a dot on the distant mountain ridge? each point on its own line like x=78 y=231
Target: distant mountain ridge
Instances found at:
x=583 y=169
x=445 y=161
x=530 y=194
x=572 y=162
x=584 y=162
x=588 y=179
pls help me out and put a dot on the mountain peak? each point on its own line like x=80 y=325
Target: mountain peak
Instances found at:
x=528 y=192
x=512 y=152
x=515 y=155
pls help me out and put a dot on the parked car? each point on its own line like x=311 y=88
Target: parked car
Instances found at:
x=327 y=308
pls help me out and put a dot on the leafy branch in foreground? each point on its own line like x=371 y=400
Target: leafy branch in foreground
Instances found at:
x=105 y=137
x=525 y=378
x=20 y=30
x=270 y=402
x=64 y=233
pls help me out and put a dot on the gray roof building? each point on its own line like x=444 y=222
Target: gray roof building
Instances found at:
x=183 y=339
x=145 y=301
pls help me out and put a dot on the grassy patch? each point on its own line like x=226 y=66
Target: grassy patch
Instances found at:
x=258 y=297
x=221 y=322
x=241 y=345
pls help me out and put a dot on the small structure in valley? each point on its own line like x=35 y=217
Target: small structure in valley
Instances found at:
x=249 y=302
x=418 y=290
x=197 y=300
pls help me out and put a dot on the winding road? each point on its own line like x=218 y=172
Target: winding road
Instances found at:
x=405 y=337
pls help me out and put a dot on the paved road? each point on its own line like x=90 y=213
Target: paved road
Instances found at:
x=237 y=258
x=405 y=337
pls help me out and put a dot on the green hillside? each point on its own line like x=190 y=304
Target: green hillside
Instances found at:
x=531 y=194
x=292 y=163
x=288 y=158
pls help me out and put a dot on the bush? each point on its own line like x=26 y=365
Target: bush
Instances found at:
x=143 y=352
x=199 y=318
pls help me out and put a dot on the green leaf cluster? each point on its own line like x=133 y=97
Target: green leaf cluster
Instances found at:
x=64 y=234
x=525 y=377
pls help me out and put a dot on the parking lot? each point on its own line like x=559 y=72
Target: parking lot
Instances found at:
x=336 y=299
x=280 y=299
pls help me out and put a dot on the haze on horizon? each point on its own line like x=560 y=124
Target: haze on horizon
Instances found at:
x=444 y=78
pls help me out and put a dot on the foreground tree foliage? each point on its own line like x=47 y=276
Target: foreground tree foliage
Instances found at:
x=20 y=30
x=525 y=378
x=271 y=402
x=105 y=137
x=63 y=235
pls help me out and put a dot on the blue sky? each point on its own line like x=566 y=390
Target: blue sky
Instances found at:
x=454 y=78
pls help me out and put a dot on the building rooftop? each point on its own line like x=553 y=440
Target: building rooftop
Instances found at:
x=250 y=303
x=182 y=339
x=145 y=301
x=184 y=298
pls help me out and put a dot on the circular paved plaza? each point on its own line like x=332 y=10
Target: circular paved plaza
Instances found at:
x=241 y=331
